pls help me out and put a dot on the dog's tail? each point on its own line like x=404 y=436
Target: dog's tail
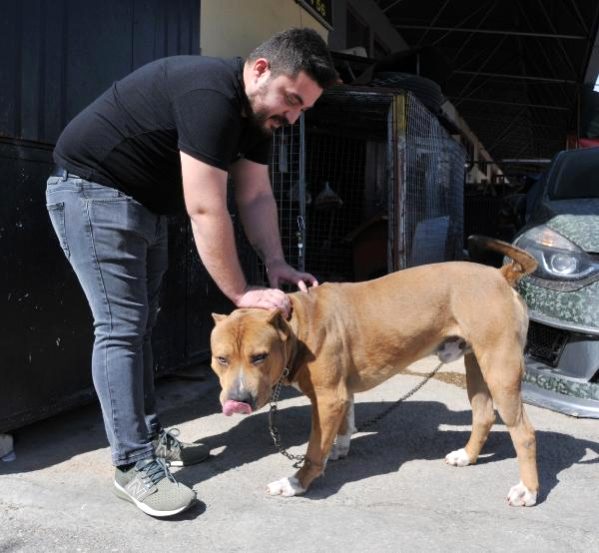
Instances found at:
x=522 y=263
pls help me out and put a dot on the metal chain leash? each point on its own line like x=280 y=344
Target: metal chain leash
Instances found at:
x=383 y=414
x=300 y=459
x=274 y=432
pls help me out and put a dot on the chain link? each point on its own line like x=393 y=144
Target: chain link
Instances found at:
x=383 y=414
x=301 y=459
x=274 y=432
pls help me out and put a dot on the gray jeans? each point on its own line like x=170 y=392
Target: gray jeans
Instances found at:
x=118 y=249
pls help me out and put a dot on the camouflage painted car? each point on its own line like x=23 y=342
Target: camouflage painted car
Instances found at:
x=562 y=232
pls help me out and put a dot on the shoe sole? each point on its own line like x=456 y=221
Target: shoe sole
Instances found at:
x=181 y=463
x=122 y=494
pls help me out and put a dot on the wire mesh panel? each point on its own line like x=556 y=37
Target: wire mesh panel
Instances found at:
x=348 y=171
x=335 y=168
x=288 y=183
x=431 y=224
x=369 y=182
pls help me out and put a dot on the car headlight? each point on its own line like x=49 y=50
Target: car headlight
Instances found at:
x=559 y=259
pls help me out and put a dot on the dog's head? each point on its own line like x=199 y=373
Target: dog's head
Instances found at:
x=248 y=355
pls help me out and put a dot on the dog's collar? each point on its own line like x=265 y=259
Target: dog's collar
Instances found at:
x=290 y=366
x=288 y=374
x=292 y=347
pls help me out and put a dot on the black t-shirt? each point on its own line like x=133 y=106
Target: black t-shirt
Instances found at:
x=130 y=137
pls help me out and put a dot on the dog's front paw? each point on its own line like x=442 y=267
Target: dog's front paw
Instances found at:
x=458 y=458
x=287 y=487
x=521 y=496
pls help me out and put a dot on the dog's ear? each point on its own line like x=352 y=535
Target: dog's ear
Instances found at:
x=277 y=319
x=217 y=317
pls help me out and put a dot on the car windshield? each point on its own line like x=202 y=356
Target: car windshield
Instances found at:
x=577 y=176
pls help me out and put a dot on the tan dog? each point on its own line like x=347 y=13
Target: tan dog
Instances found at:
x=347 y=338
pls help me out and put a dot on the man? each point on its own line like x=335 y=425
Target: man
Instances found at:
x=164 y=137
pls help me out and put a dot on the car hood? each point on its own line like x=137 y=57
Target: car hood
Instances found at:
x=576 y=220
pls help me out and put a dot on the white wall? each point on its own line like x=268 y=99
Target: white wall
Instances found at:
x=235 y=27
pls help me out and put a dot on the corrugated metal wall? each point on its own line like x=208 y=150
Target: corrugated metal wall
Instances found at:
x=56 y=56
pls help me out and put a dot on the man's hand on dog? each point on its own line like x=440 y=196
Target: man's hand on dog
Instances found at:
x=280 y=272
x=264 y=298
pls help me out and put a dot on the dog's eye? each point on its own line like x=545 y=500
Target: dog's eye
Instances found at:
x=222 y=361
x=259 y=358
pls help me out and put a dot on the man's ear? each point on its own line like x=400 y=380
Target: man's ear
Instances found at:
x=217 y=317
x=260 y=67
x=277 y=319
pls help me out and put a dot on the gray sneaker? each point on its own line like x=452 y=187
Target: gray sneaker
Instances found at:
x=150 y=485
x=177 y=453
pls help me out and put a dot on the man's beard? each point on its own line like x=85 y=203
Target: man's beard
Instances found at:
x=259 y=116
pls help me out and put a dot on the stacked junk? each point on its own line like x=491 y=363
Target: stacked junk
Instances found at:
x=370 y=181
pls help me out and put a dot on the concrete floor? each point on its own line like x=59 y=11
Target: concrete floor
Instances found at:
x=393 y=493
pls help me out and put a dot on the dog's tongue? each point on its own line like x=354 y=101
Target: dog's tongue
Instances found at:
x=230 y=406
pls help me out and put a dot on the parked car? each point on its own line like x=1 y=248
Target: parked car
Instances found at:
x=562 y=233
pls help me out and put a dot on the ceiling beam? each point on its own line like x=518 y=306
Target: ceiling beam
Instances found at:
x=484 y=64
x=506 y=103
x=503 y=121
x=488 y=9
x=489 y=32
x=522 y=77
x=549 y=61
x=559 y=42
x=507 y=130
x=432 y=23
x=391 y=5
x=581 y=20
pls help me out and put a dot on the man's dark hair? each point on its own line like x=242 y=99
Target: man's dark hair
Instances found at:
x=295 y=50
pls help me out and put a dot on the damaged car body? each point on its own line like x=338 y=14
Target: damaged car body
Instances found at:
x=562 y=233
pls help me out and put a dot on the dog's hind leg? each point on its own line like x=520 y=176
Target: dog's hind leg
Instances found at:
x=328 y=412
x=341 y=446
x=505 y=389
x=483 y=415
x=502 y=368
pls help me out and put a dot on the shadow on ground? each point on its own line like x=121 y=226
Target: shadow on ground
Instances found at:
x=409 y=433
x=61 y=437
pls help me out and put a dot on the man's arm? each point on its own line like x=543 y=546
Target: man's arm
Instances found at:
x=258 y=212
x=258 y=209
x=205 y=193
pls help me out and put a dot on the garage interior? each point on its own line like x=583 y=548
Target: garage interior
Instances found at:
x=521 y=75
x=512 y=84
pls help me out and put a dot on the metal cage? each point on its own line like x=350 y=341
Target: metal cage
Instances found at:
x=368 y=182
